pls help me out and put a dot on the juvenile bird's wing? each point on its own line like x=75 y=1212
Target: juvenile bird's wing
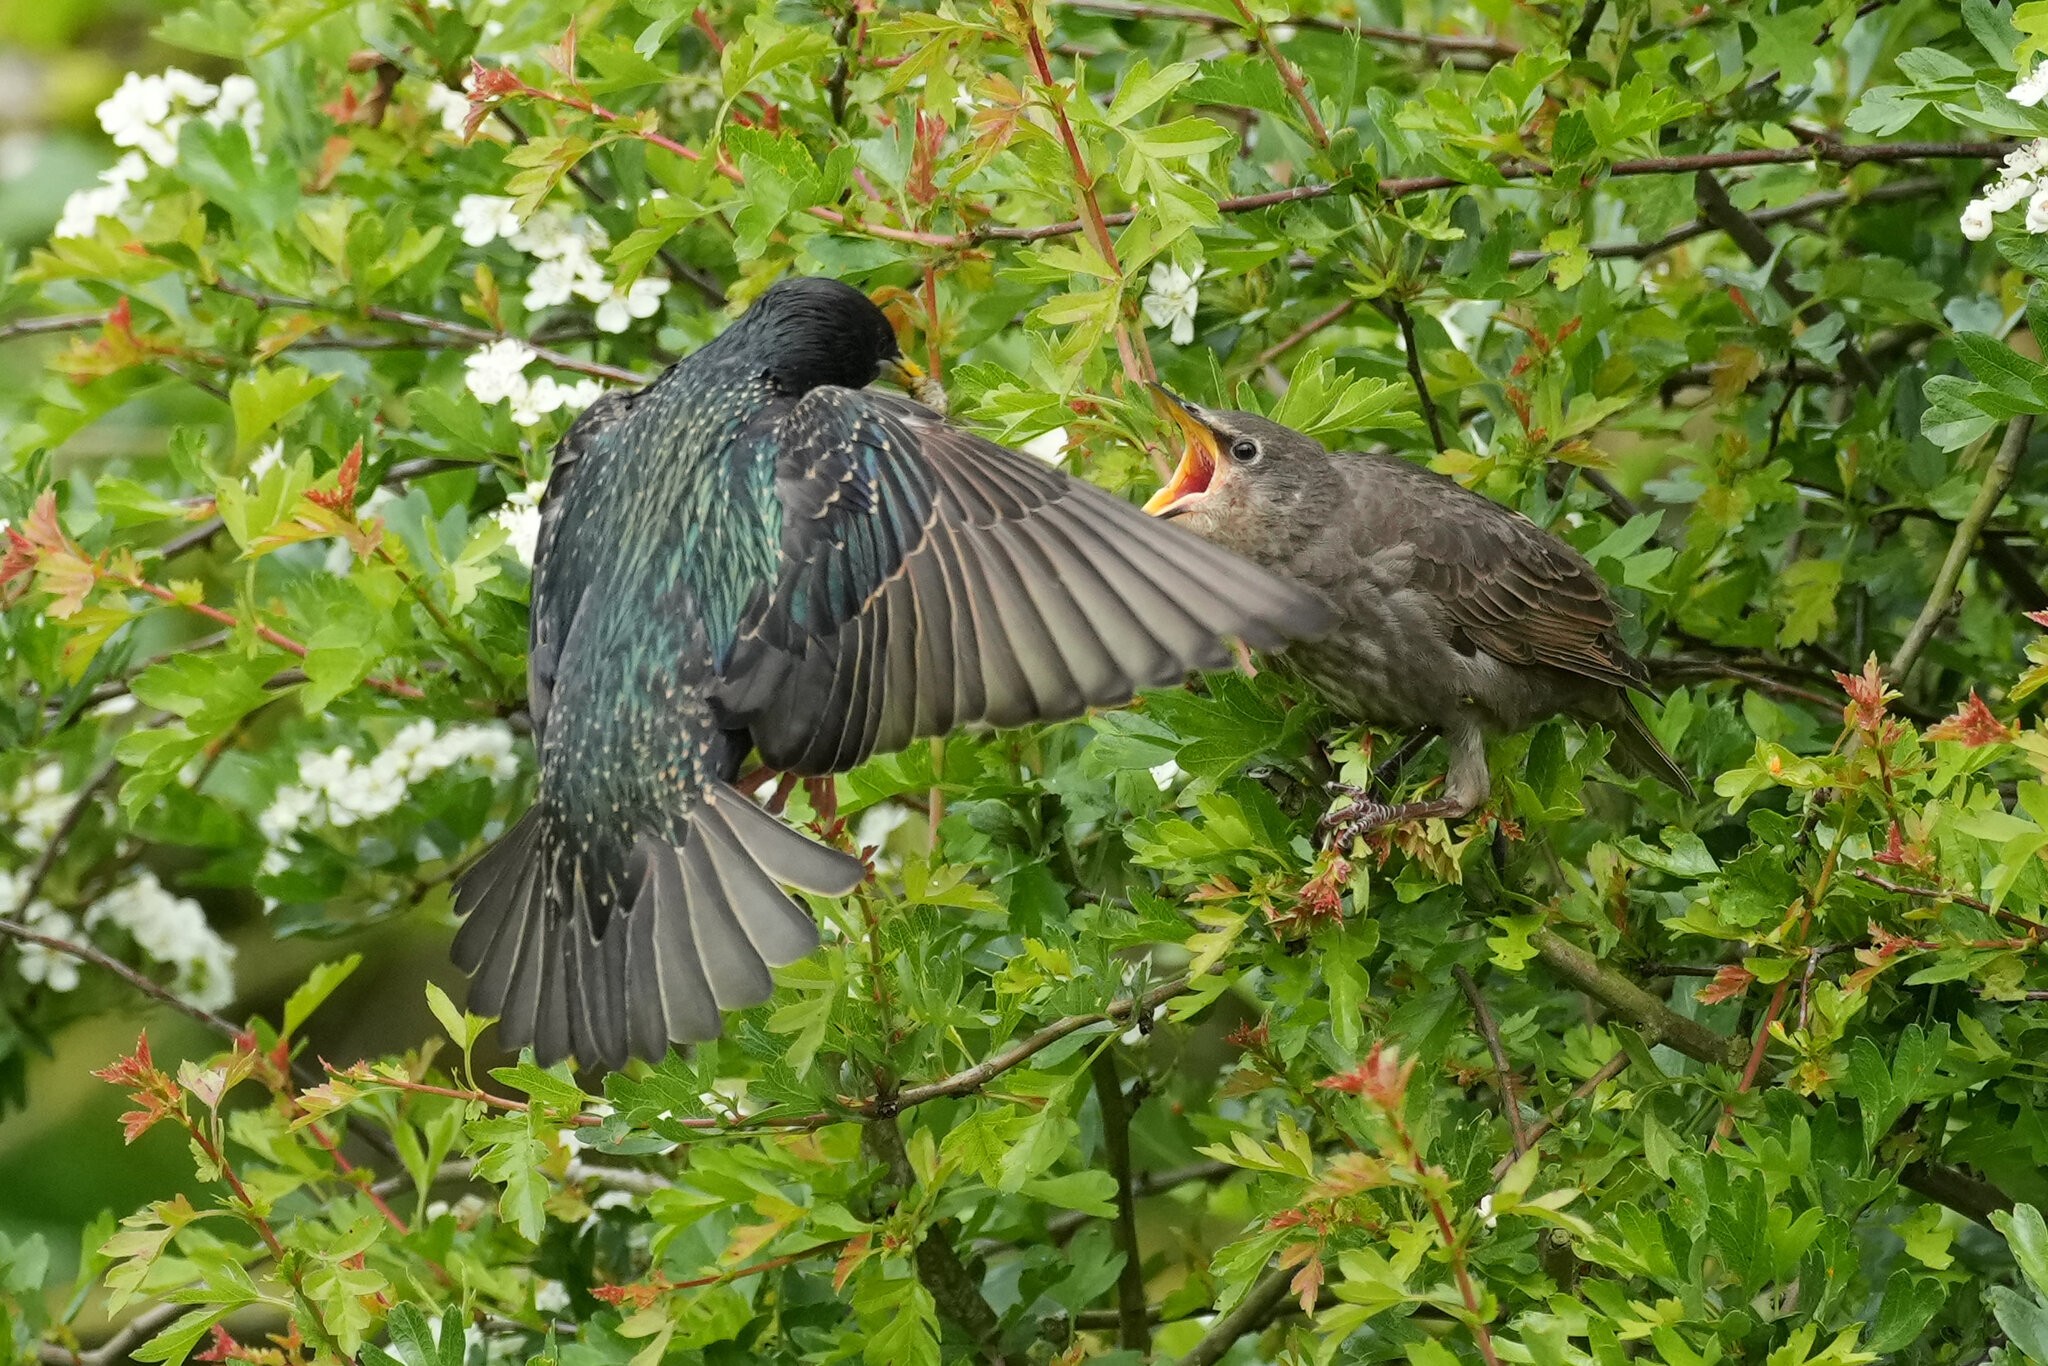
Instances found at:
x=931 y=579
x=1506 y=584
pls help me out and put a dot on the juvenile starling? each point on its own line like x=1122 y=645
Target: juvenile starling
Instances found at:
x=754 y=552
x=1454 y=613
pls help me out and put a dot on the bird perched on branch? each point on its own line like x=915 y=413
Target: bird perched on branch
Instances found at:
x=1455 y=614
x=757 y=552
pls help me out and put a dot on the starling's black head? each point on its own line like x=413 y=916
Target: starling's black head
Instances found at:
x=811 y=331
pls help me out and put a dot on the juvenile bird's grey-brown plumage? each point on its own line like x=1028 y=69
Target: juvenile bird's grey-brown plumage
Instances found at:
x=1454 y=613
x=755 y=552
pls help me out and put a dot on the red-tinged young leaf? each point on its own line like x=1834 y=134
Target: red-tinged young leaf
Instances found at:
x=137 y=1069
x=1381 y=1079
x=1730 y=982
x=850 y=1258
x=1973 y=725
x=1308 y=1282
x=1867 y=697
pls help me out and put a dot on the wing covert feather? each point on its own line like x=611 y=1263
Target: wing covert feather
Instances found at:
x=968 y=584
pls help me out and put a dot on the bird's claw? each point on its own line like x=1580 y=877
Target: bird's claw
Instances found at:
x=1344 y=824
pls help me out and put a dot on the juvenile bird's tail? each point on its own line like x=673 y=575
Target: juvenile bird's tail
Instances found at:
x=1637 y=750
x=611 y=947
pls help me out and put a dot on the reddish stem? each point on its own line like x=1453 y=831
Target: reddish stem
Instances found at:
x=1137 y=359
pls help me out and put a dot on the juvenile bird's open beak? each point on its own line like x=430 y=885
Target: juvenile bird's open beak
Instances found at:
x=1198 y=461
x=907 y=375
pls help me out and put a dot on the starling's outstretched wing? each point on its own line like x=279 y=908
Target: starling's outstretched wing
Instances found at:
x=1508 y=586
x=931 y=579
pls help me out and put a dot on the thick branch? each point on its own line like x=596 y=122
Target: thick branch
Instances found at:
x=1655 y=1021
x=952 y=1287
x=1251 y=1312
x=1956 y=1190
x=1134 y=1329
x=1997 y=479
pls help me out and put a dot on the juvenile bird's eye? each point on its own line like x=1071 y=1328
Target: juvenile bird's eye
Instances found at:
x=1245 y=451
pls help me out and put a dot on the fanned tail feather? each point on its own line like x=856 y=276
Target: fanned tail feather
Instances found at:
x=706 y=919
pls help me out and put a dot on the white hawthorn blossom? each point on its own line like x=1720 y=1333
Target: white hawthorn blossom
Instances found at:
x=37 y=963
x=148 y=112
x=38 y=805
x=451 y=107
x=109 y=199
x=521 y=519
x=483 y=218
x=641 y=300
x=1047 y=446
x=2022 y=181
x=337 y=791
x=497 y=372
x=1170 y=300
x=171 y=930
x=2031 y=88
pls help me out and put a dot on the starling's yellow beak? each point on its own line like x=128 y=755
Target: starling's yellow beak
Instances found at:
x=907 y=375
x=1197 y=462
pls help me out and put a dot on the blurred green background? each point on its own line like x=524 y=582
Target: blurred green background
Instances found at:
x=62 y=1162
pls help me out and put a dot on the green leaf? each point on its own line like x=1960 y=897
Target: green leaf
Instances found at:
x=548 y=1087
x=318 y=986
x=266 y=396
x=2027 y=1236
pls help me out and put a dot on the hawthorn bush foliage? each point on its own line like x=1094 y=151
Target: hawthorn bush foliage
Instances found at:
x=1111 y=1061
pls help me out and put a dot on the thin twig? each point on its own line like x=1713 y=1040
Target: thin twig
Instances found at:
x=85 y=800
x=1504 y=1075
x=480 y=336
x=1400 y=37
x=1130 y=345
x=1397 y=187
x=1412 y=352
x=1134 y=1329
x=1302 y=334
x=1718 y=209
x=87 y=953
x=1997 y=479
x=1609 y=1070
x=1912 y=188
x=53 y=322
x=1297 y=89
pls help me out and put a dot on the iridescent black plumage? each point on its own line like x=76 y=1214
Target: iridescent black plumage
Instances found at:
x=756 y=552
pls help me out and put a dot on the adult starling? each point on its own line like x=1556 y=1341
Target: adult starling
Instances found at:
x=1454 y=613
x=755 y=552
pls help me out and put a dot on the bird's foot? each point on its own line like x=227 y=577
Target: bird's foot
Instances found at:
x=1365 y=814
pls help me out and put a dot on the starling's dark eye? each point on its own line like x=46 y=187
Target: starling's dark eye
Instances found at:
x=1245 y=452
